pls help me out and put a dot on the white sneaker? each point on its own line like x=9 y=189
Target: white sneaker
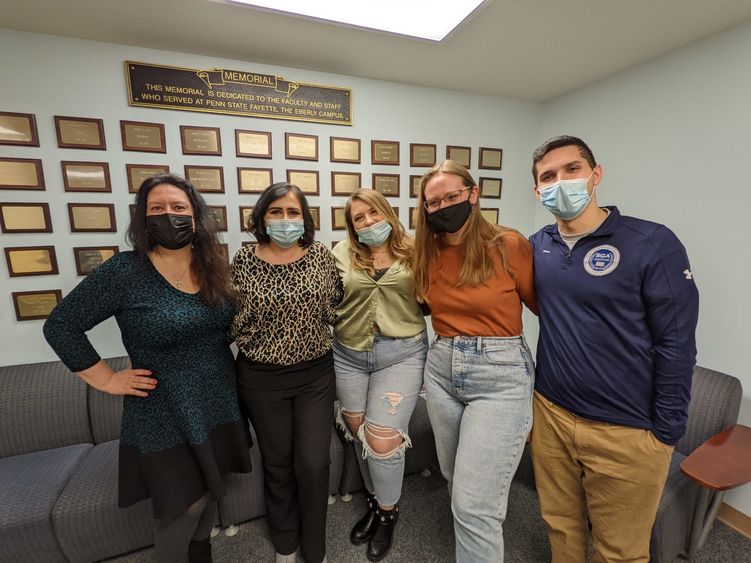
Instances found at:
x=291 y=558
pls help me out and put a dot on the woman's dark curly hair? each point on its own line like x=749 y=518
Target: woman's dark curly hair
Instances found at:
x=209 y=260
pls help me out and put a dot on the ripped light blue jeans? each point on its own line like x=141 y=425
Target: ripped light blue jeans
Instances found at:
x=384 y=384
x=479 y=395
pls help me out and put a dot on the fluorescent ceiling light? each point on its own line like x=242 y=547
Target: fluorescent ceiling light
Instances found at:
x=425 y=19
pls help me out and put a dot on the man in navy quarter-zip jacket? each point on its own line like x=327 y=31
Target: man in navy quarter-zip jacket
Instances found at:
x=618 y=311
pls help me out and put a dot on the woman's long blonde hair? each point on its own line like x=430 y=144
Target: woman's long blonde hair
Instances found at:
x=480 y=237
x=398 y=244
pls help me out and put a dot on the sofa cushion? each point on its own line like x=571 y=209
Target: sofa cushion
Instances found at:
x=422 y=454
x=244 y=499
x=42 y=406
x=105 y=410
x=31 y=483
x=88 y=523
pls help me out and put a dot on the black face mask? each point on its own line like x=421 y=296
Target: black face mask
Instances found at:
x=449 y=219
x=170 y=230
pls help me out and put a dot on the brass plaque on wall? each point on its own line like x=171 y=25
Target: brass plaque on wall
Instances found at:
x=31 y=260
x=31 y=305
x=387 y=184
x=235 y=92
x=90 y=257
x=21 y=174
x=20 y=217
x=18 y=129
x=254 y=180
x=139 y=173
x=80 y=133
x=205 y=178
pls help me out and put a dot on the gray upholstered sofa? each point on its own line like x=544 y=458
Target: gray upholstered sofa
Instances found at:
x=58 y=471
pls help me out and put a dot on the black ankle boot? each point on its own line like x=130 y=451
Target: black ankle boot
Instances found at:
x=380 y=543
x=365 y=527
x=200 y=551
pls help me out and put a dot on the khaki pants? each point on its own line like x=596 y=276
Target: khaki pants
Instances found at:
x=612 y=475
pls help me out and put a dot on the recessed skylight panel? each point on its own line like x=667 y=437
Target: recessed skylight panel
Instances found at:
x=433 y=20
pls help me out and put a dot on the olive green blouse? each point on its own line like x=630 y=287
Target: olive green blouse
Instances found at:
x=388 y=303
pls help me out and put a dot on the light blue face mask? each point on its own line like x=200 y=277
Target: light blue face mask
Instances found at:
x=285 y=232
x=375 y=235
x=566 y=199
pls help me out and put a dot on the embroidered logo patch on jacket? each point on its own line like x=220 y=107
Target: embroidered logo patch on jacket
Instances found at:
x=602 y=260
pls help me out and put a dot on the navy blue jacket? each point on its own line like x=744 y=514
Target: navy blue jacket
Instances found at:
x=617 y=320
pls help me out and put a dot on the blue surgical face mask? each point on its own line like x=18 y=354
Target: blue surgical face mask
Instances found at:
x=375 y=235
x=566 y=199
x=285 y=232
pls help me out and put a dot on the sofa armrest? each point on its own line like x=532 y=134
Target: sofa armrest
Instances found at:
x=715 y=404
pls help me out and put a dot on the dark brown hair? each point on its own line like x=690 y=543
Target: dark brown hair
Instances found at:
x=557 y=143
x=256 y=225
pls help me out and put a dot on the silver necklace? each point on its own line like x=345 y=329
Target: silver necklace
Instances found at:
x=178 y=283
x=179 y=280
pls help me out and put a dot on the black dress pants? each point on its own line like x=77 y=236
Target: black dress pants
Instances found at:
x=293 y=427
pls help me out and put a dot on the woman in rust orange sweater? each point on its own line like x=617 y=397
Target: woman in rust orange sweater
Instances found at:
x=479 y=374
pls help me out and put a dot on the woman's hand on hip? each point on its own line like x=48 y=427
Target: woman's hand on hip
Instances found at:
x=129 y=382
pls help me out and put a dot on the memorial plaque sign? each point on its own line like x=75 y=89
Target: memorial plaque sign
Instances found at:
x=236 y=92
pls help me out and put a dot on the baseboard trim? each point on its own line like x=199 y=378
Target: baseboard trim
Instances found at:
x=736 y=519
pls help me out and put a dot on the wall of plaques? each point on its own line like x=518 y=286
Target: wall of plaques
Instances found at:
x=82 y=177
x=70 y=164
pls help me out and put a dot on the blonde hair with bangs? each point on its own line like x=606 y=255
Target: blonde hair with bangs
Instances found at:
x=479 y=239
x=398 y=243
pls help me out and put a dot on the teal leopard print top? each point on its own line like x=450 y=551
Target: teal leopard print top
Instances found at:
x=176 y=335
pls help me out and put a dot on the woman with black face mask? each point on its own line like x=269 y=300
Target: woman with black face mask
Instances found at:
x=182 y=432
x=479 y=375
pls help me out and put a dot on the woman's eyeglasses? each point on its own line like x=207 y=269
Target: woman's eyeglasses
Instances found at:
x=449 y=199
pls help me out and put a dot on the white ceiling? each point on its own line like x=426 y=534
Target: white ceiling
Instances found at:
x=528 y=49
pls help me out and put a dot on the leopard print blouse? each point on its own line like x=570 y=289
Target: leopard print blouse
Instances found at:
x=285 y=309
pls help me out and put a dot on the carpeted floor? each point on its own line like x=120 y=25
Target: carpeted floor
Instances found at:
x=425 y=533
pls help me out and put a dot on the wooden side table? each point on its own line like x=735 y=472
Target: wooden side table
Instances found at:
x=721 y=463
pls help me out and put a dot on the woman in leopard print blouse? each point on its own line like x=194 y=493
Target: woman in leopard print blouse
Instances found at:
x=289 y=289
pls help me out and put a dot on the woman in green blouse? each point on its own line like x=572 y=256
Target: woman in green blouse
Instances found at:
x=379 y=352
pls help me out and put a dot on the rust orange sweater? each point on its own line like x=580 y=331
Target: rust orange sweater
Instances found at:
x=490 y=309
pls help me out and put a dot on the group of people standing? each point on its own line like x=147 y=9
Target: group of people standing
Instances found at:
x=617 y=306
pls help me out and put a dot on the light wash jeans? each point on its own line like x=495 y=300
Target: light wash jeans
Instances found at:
x=479 y=395
x=384 y=384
